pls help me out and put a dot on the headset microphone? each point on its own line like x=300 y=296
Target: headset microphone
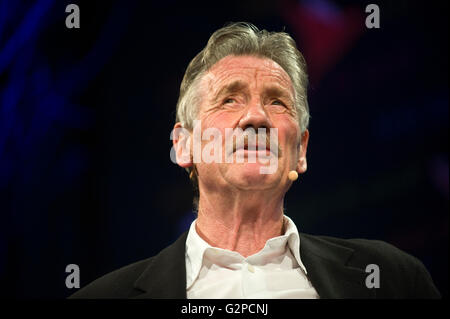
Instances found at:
x=293 y=175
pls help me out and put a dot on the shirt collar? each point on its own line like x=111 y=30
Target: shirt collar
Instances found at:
x=196 y=247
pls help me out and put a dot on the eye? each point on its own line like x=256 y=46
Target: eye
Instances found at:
x=277 y=102
x=229 y=101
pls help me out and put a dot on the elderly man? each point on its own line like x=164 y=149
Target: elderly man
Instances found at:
x=242 y=245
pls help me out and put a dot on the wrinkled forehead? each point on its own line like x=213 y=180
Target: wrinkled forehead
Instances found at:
x=256 y=72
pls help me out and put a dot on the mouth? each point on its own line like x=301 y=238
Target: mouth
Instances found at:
x=252 y=144
x=252 y=148
x=262 y=149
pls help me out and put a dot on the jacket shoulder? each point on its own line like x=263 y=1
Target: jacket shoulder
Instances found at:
x=116 y=284
x=371 y=249
x=160 y=276
x=402 y=275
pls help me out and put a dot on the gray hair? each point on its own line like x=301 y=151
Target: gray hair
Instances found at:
x=244 y=39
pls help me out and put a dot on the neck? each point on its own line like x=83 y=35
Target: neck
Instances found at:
x=241 y=221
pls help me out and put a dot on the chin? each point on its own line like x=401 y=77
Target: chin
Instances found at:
x=249 y=174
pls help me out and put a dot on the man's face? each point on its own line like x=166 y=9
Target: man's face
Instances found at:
x=250 y=92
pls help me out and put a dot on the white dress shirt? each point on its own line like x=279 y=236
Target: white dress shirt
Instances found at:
x=276 y=271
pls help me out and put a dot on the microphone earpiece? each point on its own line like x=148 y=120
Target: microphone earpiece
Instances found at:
x=293 y=175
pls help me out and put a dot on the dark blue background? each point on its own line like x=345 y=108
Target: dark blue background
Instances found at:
x=85 y=118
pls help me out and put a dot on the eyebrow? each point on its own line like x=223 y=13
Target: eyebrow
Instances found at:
x=276 y=91
x=270 y=90
x=233 y=87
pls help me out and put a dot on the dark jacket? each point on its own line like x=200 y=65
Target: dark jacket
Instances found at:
x=336 y=268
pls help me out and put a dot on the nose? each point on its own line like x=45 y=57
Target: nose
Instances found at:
x=255 y=116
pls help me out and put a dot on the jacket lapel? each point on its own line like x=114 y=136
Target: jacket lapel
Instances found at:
x=330 y=272
x=165 y=276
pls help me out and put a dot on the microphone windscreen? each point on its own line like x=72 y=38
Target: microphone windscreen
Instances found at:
x=293 y=175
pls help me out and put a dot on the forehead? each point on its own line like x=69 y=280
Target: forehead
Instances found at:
x=253 y=70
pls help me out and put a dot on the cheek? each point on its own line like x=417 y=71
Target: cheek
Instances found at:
x=220 y=120
x=288 y=134
x=287 y=126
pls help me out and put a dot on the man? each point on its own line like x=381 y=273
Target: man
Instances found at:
x=242 y=245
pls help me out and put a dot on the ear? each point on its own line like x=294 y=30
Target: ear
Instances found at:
x=182 y=144
x=302 y=164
